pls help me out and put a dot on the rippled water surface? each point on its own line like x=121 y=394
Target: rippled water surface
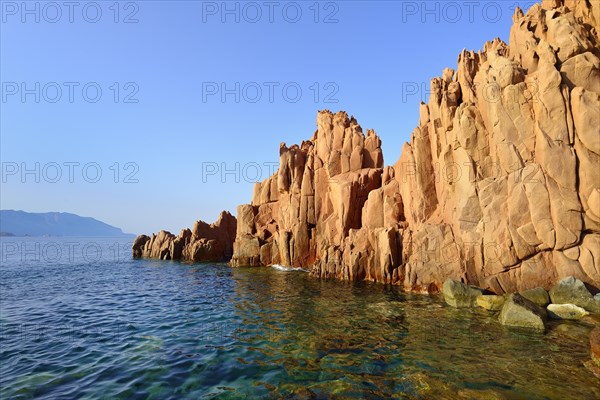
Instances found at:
x=86 y=321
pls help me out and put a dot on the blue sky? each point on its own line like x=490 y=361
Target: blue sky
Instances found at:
x=134 y=91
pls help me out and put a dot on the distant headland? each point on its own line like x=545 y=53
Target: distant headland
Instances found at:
x=21 y=223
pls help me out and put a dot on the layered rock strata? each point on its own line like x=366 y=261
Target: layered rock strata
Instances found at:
x=203 y=242
x=499 y=185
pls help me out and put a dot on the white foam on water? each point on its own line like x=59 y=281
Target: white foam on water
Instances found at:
x=287 y=269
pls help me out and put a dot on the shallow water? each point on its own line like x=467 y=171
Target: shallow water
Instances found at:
x=91 y=325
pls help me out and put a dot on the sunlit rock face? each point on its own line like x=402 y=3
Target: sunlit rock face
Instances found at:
x=318 y=198
x=499 y=185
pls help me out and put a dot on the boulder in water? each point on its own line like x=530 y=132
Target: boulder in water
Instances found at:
x=566 y=311
x=457 y=294
x=538 y=295
x=520 y=312
x=490 y=302
x=573 y=291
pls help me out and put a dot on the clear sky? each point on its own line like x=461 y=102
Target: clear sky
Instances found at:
x=161 y=97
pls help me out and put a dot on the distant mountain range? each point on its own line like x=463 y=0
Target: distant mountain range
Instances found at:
x=21 y=223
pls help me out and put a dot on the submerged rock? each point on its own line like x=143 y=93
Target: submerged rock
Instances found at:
x=573 y=291
x=595 y=345
x=520 y=312
x=479 y=394
x=538 y=295
x=491 y=302
x=566 y=311
x=594 y=364
x=457 y=294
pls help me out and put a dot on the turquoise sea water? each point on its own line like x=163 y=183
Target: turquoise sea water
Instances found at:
x=80 y=319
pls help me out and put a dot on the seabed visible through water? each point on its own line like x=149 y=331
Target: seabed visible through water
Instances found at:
x=123 y=328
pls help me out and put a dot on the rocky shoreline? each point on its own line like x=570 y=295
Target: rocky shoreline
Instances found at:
x=531 y=309
x=569 y=299
x=495 y=201
x=498 y=187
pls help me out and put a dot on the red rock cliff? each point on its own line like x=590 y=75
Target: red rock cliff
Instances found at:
x=499 y=185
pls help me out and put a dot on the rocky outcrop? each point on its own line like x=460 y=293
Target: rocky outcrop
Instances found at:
x=501 y=136
x=331 y=206
x=203 y=242
x=138 y=245
x=498 y=187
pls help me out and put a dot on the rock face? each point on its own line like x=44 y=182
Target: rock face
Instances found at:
x=330 y=206
x=520 y=312
x=499 y=185
x=203 y=242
